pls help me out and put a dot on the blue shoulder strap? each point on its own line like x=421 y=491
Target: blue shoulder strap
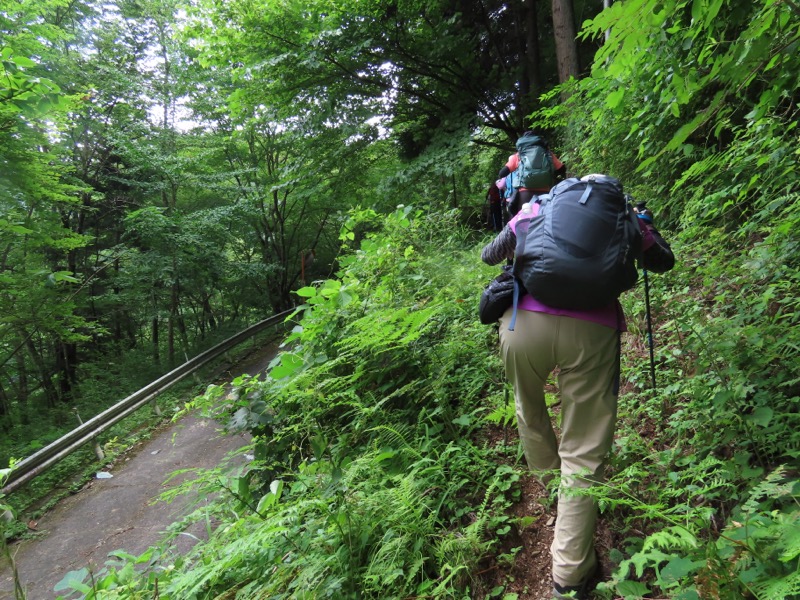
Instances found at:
x=510 y=184
x=521 y=230
x=516 y=301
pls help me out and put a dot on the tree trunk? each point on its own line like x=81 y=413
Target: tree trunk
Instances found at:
x=5 y=409
x=155 y=340
x=182 y=329
x=566 y=44
x=66 y=364
x=50 y=391
x=530 y=81
x=118 y=313
x=21 y=387
x=208 y=314
x=172 y=323
x=171 y=340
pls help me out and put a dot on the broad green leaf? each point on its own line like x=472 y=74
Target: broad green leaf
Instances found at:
x=679 y=568
x=23 y=61
x=761 y=416
x=289 y=364
x=614 y=99
x=465 y=420
x=632 y=589
x=74 y=581
x=307 y=292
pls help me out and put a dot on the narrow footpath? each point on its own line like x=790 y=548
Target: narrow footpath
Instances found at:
x=120 y=512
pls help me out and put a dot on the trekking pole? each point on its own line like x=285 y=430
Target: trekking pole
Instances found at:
x=640 y=208
x=649 y=327
x=505 y=422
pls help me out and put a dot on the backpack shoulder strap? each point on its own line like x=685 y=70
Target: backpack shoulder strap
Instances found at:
x=514 y=304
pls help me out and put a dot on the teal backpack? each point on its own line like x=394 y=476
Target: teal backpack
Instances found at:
x=535 y=171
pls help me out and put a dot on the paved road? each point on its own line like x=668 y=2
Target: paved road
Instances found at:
x=119 y=513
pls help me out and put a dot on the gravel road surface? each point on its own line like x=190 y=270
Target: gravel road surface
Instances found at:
x=118 y=513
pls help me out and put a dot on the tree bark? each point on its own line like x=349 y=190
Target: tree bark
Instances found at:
x=531 y=81
x=66 y=367
x=566 y=44
x=171 y=340
x=50 y=391
x=21 y=388
x=5 y=409
x=155 y=340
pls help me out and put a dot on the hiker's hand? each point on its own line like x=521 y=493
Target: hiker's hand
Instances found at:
x=645 y=214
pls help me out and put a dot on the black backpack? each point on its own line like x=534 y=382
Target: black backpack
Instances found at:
x=579 y=252
x=536 y=170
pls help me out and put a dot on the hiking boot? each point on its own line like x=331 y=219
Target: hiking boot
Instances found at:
x=583 y=591
x=574 y=592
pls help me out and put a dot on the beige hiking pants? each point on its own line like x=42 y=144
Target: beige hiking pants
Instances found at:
x=588 y=357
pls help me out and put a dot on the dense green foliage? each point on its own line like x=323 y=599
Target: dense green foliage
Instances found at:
x=124 y=235
x=371 y=478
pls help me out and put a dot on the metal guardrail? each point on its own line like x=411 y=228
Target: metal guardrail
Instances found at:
x=34 y=465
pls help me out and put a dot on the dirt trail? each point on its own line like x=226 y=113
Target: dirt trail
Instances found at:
x=119 y=513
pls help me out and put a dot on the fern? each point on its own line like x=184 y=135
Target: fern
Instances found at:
x=785 y=587
x=773 y=486
x=672 y=538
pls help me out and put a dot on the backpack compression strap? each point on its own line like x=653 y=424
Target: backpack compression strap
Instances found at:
x=585 y=195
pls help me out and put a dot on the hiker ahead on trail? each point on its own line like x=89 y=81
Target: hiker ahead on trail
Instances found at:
x=494 y=199
x=574 y=251
x=533 y=169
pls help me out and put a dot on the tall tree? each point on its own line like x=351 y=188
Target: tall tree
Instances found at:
x=39 y=315
x=565 y=38
x=426 y=67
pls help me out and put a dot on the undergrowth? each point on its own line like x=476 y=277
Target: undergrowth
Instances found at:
x=370 y=479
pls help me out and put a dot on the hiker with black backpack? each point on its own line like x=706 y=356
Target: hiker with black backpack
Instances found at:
x=533 y=169
x=574 y=252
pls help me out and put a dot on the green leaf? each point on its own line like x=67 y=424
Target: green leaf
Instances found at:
x=74 y=581
x=344 y=299
x=679 y=568
x=465 y=420
x=273 y=497
x=761 y=416
x=307 y=292
x=632 y=589
x=614 y=99
x=23 y=61
x=14 y=228
x=289 y=364
x=698 y=7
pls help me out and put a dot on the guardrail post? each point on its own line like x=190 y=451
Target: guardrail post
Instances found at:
x=98 y=451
